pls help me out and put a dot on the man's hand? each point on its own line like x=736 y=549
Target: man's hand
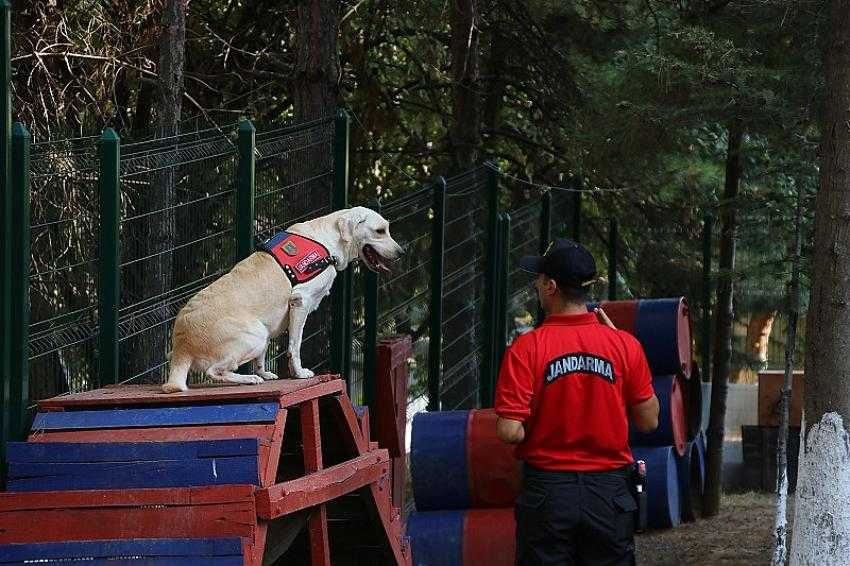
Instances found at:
x=603 y=318
x=510 y=431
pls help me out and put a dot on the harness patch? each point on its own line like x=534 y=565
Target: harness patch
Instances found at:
x=301 y=258
x=579 y=362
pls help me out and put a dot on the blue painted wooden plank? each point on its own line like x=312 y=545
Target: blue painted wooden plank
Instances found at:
x=118 y=475
x=105 y=549
x=162 y=416
x=89 y=452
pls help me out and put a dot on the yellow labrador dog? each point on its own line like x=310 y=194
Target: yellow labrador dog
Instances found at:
x=231 y=321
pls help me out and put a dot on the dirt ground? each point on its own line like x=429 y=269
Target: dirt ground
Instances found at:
x=740 y=534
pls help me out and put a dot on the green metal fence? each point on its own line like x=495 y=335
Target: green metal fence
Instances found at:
x=63 y=290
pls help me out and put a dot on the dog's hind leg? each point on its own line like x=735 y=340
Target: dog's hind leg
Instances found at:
x=297 y=317
x=178 y=372
x=223 y=371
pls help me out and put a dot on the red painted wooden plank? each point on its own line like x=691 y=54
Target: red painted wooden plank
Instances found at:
x=254 y=555
x=379 y=501
x=159 y=518
x=324 y=389
x=151 y=394
x=311 y=436
x=272 y=455
x=322 y=486
x=347 y=424
x=317 y=526
x=265 y=433
x=211 y=495
x=390 y=417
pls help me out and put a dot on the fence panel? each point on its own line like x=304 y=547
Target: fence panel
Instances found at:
x=294 y=176
x=464 y=287
x=522 y=305
x=63 y=287
x=177 y=236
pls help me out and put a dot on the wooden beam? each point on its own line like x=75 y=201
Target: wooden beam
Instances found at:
x=321 y=487
x=317 y=524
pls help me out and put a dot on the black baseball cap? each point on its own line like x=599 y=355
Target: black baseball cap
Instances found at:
x=565 y=261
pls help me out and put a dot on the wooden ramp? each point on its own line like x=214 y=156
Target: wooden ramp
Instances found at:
x=278 y=473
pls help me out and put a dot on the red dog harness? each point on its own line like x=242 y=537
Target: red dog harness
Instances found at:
x=301 y=258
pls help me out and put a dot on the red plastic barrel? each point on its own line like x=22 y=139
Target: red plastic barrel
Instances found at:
x=672 y=425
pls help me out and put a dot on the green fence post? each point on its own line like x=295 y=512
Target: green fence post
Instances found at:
x=370 y=332
x=612 y=260
x=707 y=223
x=108 y=290
x=342 y=292
x=501 y=326
x=545 y=235
x=435 y=332
x=490 y=277
x=575 y=229
x=5 y=221
x=245 y=190
x=19 y=359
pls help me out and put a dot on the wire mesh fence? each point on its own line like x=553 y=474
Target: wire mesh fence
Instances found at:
x=62 y=284
x=294 y=183
x=463 y=289
x=177 y=236
x=526 y=234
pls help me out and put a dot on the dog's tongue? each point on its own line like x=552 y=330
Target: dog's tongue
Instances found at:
x=382 y=267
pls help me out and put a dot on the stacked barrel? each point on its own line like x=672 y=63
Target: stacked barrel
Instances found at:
x=465 y=481
x=674 y=452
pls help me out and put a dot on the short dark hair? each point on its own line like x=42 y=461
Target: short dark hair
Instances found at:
x=572 y=293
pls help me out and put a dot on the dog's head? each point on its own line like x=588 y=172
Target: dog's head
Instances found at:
x=367 y=232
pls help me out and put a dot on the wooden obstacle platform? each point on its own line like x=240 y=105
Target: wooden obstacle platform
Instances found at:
x=282 y=472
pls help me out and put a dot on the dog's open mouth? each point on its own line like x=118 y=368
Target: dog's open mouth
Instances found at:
x=374 y=261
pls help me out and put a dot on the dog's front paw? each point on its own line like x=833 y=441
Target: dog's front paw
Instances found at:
x=253 y=379
x=267 y=375
x=304 y=373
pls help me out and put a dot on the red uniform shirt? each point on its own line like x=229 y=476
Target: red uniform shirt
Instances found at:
x=569 y=381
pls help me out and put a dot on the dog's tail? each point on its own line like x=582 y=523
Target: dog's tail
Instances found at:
x=178 y=374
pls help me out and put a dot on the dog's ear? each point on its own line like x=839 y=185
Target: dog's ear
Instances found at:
x=347 y=223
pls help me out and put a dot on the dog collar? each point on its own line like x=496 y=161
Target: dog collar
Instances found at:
x=300 y=257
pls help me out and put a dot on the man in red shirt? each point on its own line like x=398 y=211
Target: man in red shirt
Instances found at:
x=565 y=395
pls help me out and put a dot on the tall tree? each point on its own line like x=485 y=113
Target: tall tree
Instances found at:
x=158 y=274
x=723 y=318
x=316 y=85
x=466 y=109
x=822 y=514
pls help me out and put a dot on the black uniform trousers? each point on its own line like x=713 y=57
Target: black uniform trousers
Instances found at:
x=575 y=518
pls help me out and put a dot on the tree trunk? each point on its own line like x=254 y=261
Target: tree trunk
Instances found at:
x=162 y=234
x=822 y=514
x=316 y=81
x=466 y=137
x=780 y=525
x=723 y=318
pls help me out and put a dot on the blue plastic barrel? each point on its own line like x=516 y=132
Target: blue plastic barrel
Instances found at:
x=662 y=326
x=662 y=485
x=691 y=472
x=436 y=538
x=438 y=463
